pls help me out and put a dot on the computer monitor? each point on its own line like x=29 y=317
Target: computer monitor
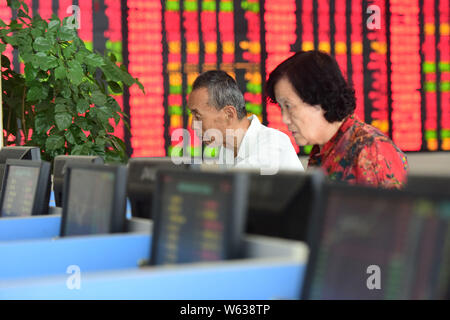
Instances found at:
x=26 y=188
x=94 y=199
x=421 y=183
x=369 y=243
x=59 y=164
x=199 y=216
x=19 y=153
x=141 y=182
x=280 y=205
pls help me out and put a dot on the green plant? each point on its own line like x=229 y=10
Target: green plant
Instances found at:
x=63 y=95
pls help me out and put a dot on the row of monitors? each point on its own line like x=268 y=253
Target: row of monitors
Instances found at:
x=27 y=185
x=365 y=243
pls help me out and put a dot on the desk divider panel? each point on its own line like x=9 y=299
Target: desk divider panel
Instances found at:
x=37 y=258
x=48 y=227
x=273 y=269
x=25 y=228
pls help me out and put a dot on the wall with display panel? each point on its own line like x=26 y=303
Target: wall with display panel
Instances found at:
x=396 y=53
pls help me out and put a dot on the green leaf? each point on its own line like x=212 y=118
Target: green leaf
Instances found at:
x=83 y=123
x=24 y=41
x=63 y=120
x=55 y=17
x=94 y=60
x=2 y=47
x=103 y=115
x=114 y=73
x=54 y=142
x=44 y=61
x=82 y=106
x=100 y=142
x=65 y=92
x=41 y=123
x=59 y=107
x=28 y=57
x=36 y=32
x=30 y=72
x=115 y=87
x=53 y=25
x=140 y=85
x=60 y=100
x=40 y=24
x=70 y=137
x=112 y=57
x=43 y=106
x=25 y=6
x=66 y=34
x=99 y=98
x=15 y=4
x=60 y=73
x=75 y=72
x=5 y=62
x=22 y=14
x=69 y=51
x=77 y=150
x=41 y=44
x=11 y=40
x=38 y=92
x=82 y=136
x=80 y=56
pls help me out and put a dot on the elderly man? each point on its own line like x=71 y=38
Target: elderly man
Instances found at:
x=219 y=116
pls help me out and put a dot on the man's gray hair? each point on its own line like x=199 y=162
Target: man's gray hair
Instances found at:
x=222 y=91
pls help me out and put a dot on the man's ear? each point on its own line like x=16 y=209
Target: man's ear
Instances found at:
x=230 y=113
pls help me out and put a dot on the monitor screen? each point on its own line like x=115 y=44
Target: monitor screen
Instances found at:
x=20 y=191
x=280 y=205
x=379 y=244
x=90 y=202
x=199 y=217
x=17 y=152
x=141 y=182
x=59 y=165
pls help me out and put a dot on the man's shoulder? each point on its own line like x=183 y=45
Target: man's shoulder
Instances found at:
x=267 y=132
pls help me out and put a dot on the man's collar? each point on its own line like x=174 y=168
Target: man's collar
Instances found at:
x=251 y=131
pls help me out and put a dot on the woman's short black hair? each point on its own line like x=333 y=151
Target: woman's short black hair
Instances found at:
x=318 y=80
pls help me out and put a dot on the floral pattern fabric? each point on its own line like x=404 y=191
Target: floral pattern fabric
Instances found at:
x=361 y=154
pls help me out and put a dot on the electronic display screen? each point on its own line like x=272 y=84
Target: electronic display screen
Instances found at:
x=194 y=219
x=380 y=246
x=20 y=191
x=90 y=202
x=395 y=53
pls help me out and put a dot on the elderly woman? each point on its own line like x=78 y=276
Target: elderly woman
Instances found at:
x=318 y=107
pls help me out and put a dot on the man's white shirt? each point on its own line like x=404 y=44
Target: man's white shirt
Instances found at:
x=263 y=148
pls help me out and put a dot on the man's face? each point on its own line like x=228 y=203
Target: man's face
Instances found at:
x=208 y=115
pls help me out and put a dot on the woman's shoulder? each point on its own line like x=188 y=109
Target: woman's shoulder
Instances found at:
x=363 y=136
x=363 y=133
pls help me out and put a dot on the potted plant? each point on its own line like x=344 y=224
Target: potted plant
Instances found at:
x=62 y=102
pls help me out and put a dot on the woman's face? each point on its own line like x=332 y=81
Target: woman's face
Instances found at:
x=306 y=122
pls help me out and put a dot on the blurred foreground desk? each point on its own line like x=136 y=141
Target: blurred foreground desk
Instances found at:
x=48 y=226
x=272 y=269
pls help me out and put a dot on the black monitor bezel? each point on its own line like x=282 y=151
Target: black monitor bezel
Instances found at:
x=33 y=150
x=316 y=229
x=236 y=223
x=312 y=181
x=41 y=196
x=157 y=163
x=118 y=216
x=58 y=180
